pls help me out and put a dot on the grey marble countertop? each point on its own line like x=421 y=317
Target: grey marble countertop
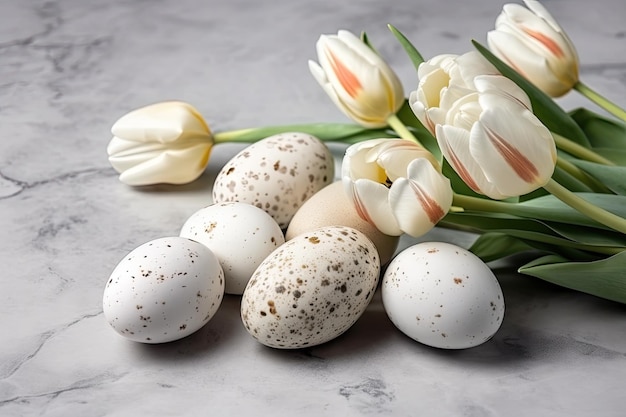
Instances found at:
x=70 y=68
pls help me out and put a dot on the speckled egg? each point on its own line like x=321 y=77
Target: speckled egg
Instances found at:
x=163 y=290
x=331 y=207
x=239 y=234
x=276 y=174
x=443 y=296
x=311 y=289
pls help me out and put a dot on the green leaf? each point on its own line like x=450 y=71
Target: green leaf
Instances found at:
x=579 y=237
x=611 y=176
x=544 y=107
x=601 y=131
x=552 y=209
x=605 y=278
x=495 y=245
x=414 y=55
x=366 y=41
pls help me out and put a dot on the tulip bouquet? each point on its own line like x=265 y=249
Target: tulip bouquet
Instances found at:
x=480 y=145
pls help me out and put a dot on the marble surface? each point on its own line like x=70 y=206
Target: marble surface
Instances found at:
x=70 y=68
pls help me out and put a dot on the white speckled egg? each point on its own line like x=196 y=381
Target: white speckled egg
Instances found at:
x=276 y=174
x=239 y=234
x=311 y=289
x=163 y=290
x=331 y=207
x=443 y=296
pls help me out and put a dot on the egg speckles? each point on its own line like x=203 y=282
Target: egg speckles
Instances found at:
x=163 y=290
x=443 y=296
x=276 y=174
x=311 y=289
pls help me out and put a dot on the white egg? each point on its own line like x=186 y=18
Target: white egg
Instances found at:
x=311 y=289
x=163 y=290
x=276 y=174
x=443 y=296
x=239 y=234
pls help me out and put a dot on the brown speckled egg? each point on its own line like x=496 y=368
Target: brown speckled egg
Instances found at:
x=442 y=295
x=311 y=289
x=276 y=174
x=163 y=290
x=331 y=207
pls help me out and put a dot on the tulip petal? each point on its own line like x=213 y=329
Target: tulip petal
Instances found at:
x=420 y=201
x=395 y=155
x=516 y=152
x=360 y=162
x=530 y=64
x=455 y=146
x=496 y=86
x=161 y=122
x=174 y=166
x=371 y=202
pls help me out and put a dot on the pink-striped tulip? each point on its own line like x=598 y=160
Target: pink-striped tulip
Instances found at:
x=533 y=43
x=166 y=142
x=494 y=142
x=442 y=80
x=396 y=185
x=357 y=79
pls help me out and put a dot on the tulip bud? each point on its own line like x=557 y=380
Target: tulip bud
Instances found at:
x=396 y=185
x=357 y=79
x=166 y=142
x=534 y=44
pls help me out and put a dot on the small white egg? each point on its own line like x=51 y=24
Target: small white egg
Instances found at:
x=239 y=234
x=443 y=296
x=311 y=289
x=276 y=174
x=163 y=290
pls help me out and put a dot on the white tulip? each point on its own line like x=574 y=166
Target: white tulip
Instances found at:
x=494 y=142
x=357 y=79
x=166 y=142
x=534 y=44
x=396 y=185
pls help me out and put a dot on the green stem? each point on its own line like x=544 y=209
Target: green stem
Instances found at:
x=323 y=131
x=580 y=175
x=401 y=129
x=600 y=100
x=594 y=212
x=579 y=151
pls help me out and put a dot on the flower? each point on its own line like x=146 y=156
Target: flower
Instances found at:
x=167 y=142
x=396 y=185
x=534 y=44
x=442 y=80
x=357 y=79
x=494 y=142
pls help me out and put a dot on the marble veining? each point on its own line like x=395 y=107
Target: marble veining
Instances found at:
x=70 y=68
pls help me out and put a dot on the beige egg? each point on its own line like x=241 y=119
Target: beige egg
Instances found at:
x=331 y=207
